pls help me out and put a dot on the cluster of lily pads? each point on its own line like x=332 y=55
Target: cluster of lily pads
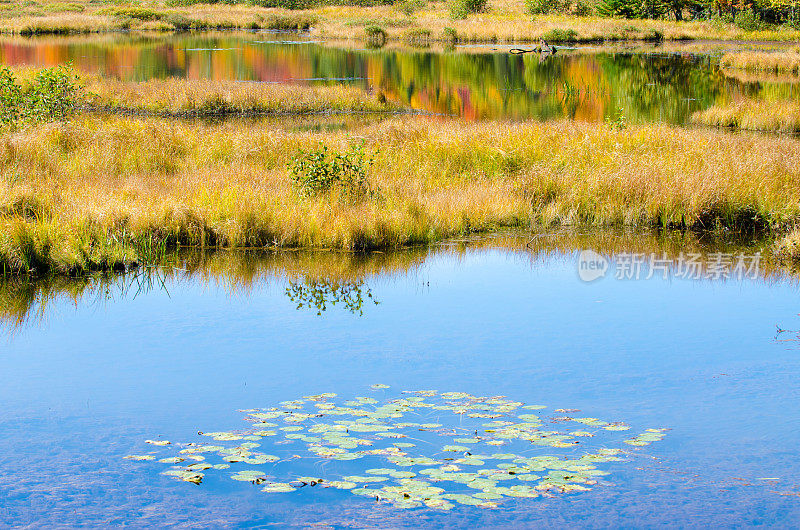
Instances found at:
x=461 y=449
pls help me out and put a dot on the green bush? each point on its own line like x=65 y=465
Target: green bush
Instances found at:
x=618 y=8
x=460 y=9
x=376 y=36
x=449 y=36
x=583 y=8
x=409 y=7
x=317 y=172
x=54 y=94
x=10 y=96
x=544 y=7
x=63 y=7
x=298 y=22
x=747 y=20
x=137 y=13
x=421 y=38
x=561 y=35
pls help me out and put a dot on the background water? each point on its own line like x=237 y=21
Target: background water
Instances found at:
x=649 y=84
x=84 y=382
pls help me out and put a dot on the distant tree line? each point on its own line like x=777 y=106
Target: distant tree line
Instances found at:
x=747 y=14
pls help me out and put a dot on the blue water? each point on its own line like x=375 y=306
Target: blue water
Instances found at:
x=84 y=383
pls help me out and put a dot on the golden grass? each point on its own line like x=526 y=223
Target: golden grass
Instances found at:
x=504 y=21
x=776 y=62
x=102 y=192
x=205 y=97
x=753 y=114
x=787 y=248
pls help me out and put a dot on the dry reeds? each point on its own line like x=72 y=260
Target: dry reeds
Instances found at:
x=99 y=192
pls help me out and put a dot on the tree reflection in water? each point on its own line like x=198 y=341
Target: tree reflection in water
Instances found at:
x=319 y=294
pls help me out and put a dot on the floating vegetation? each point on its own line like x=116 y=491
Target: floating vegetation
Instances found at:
x=454 y=460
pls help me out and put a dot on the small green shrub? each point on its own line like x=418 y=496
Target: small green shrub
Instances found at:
x=747 y=20
x=418 y=37
x=136 y=13
x=181 y=23
x=583 y=8
x=561 y=35
x=449 y=36
x=317 y=172
x=461 y=9
x=63 y=7
x=10 y=96
x=544 y=7
x=617 y=120
x=376 y=36
x=653 y=36
x=298 y=22
x=409 y=7
x=54 y=94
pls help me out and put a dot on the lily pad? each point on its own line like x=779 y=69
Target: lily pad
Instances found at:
x=361 y=433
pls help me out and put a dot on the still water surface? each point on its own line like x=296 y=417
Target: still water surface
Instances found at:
x=586 y=83
x=89 y=376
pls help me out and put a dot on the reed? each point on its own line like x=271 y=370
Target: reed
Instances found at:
x=198 y=97
x=776 y=62
x=104 y=192
x=753 y=114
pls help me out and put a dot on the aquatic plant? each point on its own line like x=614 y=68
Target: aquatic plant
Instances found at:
x=415 y=449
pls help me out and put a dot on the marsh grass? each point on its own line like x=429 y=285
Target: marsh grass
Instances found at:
x=497 y=21
x=775 y=62
x=184 y=97
x=753 y=114
x=100 y=185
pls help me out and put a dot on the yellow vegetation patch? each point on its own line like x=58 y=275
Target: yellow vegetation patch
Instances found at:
x=778 y=62
x=96 y=192
x=753 y=114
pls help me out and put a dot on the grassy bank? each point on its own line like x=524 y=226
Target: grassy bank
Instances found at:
x=178 y=97
x=753 y=114
x=105 y=192
x=773 y=62
x=182 y=97
x=499 y=21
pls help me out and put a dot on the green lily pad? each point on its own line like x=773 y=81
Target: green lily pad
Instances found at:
x=365 y=428
x=247 y=475
x=278 y=487
x=455 y=448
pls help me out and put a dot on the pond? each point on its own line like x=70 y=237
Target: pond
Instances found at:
x=589 y=83
x=518 y=379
